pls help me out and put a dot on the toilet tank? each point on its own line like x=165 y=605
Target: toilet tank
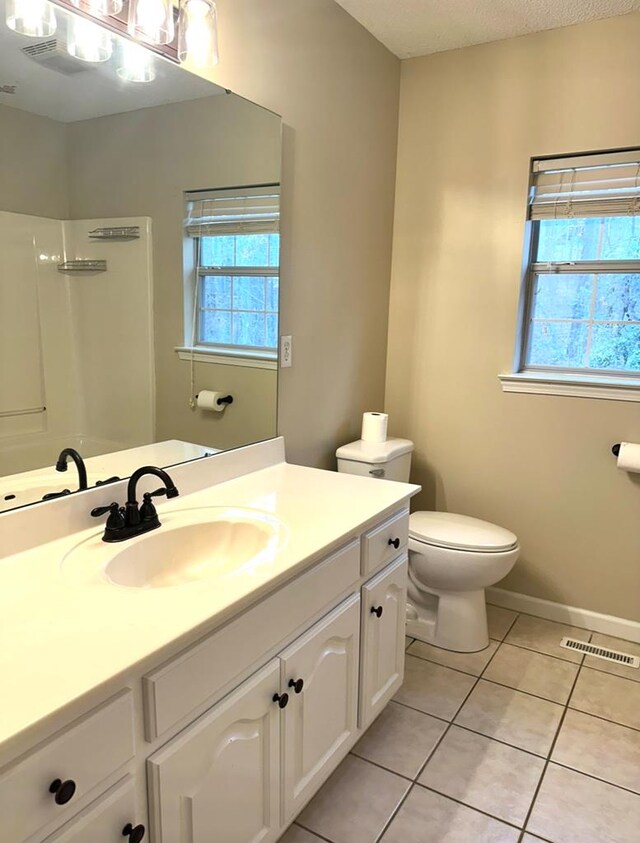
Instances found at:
x=390 y=460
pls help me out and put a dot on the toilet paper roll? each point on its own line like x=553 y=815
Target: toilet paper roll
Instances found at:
x=208 y=400
x=629 y=457
x=374 y=427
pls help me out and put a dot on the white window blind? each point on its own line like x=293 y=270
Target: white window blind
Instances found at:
x=220 y=213
x=602 y=185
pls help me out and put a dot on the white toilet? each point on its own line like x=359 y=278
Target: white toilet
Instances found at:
x=452 y=558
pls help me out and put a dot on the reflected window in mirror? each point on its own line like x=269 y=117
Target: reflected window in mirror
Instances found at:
x=233 y=236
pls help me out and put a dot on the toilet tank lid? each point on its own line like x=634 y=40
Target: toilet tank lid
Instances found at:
x=375 y=452
x=446 y=529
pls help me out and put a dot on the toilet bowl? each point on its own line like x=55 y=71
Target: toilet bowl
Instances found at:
x=452 y=558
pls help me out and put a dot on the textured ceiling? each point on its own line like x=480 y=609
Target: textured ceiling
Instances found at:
x=418 y=27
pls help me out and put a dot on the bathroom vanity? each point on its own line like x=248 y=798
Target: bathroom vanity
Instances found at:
x=148 y=694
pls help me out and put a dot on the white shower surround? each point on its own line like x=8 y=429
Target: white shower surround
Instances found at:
x=78 y=341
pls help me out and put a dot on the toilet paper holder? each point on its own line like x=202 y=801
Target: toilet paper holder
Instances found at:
x=615 y=450
x=227 y=399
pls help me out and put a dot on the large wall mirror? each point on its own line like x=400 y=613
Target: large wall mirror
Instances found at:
x=139 y=264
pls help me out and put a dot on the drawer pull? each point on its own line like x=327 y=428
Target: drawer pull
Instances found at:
x=63 y=790
x=394 y=543
x=134 y=833
x=297 y=685
x=377 y=611
x=281 y=699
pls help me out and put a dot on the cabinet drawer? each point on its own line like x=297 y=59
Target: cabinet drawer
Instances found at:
x=185 y=683
x=87 y=752
x=384 y=542
x=104 y=820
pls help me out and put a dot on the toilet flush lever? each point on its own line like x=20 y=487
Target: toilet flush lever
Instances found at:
x=377 y=472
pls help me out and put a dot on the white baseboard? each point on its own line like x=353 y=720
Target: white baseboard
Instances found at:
x=606 y=624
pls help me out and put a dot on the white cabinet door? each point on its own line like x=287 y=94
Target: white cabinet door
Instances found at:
x=219 y=780
x=384 y=601
x=105 y=819
x=322 y=717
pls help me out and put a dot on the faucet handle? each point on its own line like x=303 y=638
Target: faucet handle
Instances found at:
x=148 y=510
x=99 y=511
x=157 y=494
x=115 y=521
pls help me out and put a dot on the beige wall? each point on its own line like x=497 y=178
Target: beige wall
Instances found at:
x=140 y=163
x=337 y=90
x=469 y=122
x=33 y=164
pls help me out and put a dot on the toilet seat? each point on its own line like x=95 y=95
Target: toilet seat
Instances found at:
x=460 y=532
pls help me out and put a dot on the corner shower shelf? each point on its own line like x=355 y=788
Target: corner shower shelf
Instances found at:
x=116 y=232
x=82 y=266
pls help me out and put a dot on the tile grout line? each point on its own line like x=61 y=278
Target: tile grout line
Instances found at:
x=381 y=766
x=518 y=647
x=598 y=717
x=549 y=620
x=469 y=807
x=608 y=673
x=541 y=652
x=314 y=833
x=595 y=778
x=394 y=813
x=536 y=792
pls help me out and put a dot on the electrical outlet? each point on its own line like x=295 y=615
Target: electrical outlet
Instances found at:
x=286 y=352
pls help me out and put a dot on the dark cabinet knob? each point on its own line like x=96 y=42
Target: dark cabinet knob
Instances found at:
x=394 y=543
x=134 y=833
x=297 y=685
x=281 y=699
x=63 y=790
x=377 y=611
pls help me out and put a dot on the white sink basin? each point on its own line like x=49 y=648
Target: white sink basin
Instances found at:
x=190 y=546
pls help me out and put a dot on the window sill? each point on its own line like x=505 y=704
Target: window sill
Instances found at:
x=255 y=360
x=574 y=386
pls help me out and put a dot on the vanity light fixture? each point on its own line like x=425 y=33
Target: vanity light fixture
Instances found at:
x=35 y=18
x=136 y=65
x=198 y=33
x=89 y=42
x=152 y=21
x=99 y=8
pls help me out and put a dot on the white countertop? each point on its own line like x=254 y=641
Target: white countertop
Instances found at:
x=61 y=637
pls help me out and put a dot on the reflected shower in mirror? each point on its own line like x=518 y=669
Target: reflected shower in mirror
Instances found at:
x=139 y=265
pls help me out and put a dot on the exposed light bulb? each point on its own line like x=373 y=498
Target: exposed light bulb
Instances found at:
x=198 y=40
x=89 y=42
x=102 y=8
x=136 y=64
x=31 y=17
x=152 y=20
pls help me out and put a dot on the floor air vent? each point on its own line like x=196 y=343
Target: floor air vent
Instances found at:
x=600 y=652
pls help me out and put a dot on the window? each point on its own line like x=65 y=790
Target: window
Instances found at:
x=234 y=292
x=581 y=301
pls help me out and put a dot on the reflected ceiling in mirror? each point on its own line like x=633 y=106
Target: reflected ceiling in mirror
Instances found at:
x=139 y=264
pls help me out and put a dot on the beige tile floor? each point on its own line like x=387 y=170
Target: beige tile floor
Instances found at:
x=522 y=743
